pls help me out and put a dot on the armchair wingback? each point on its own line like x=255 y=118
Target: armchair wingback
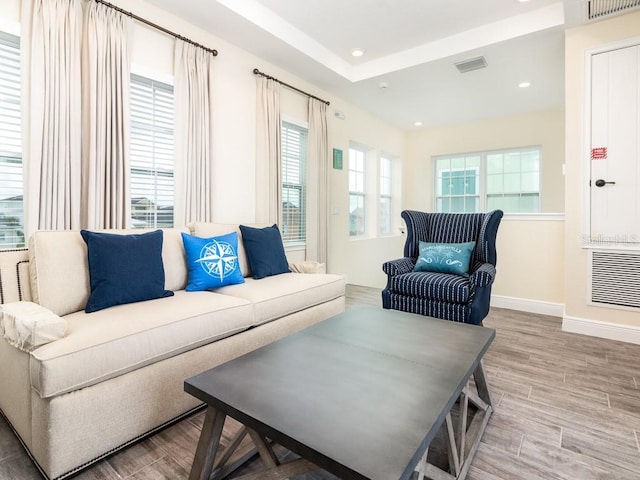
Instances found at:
x=442 y=295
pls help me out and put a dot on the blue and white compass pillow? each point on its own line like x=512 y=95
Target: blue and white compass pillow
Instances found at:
x=212 y=262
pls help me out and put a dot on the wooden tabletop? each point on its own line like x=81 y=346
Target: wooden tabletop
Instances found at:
x=361 y=394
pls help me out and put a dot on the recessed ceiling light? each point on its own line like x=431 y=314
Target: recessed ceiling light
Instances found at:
x=524 y=84
x=417 y=124
x=522 y=1
x=357 y=52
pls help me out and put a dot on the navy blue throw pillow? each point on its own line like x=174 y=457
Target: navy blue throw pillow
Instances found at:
x=124 y=268
x=212 y=262
x=265 y=251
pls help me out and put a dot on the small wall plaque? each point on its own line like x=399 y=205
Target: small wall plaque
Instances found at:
x=337 y=159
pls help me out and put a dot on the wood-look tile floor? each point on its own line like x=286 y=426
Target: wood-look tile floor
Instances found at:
x=567 y=406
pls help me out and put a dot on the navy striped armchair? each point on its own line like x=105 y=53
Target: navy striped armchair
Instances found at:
x=443 y=295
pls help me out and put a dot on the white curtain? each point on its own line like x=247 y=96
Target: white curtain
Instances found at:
x=268 y=151
x=317 y=182
x=106 y=118
x=193 y=94
x=50 y=46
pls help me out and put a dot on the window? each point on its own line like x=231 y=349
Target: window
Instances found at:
x=505 y=179
x=513 y=180
x=11 y=177
x=458 y=180
x=386 y=191
x=151 y=153
x=357 y=192
x=294 y=191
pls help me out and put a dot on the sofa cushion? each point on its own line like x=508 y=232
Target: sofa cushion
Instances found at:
x=212 y=262
x=114 y=341
x=62 y=255
x=276 y=296
x=442 y=287
x=124 y=268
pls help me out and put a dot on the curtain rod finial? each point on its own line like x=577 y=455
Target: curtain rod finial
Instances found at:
x=256 y=71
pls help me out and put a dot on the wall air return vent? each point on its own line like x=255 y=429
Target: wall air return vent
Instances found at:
x=471 y=64
x=603 y=8
x=615 y=278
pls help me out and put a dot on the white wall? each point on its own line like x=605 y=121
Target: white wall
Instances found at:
x=234 y=132
x=545 y=128
x=578 y=41
x=152 y=54
x=530 y=251
x=234 y=141
x=531 y=264
x=361 y=259
x=10 y=16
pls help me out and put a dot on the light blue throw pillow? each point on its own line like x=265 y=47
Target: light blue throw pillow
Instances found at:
x=445 y=258
x=212 y=262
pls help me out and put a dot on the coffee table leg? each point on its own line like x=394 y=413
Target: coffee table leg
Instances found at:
x=421 y=468
x=461 y=445
x=208 y=444
x=266 y=452
x=481 y=384
x=452 y=449
x=461 y=437
x=473 y=434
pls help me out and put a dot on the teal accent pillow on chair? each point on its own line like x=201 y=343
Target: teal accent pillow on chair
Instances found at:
x=212 y=262
x=124 y=268
x=445 y=258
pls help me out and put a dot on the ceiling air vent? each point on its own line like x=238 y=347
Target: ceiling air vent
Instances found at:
x=472 y=64
x=604 y=8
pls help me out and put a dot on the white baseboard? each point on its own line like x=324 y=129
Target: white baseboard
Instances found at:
x=597 y=328
x=527 y=305
x=584 y=326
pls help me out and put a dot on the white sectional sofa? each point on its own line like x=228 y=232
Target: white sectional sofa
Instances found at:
x=117 y=375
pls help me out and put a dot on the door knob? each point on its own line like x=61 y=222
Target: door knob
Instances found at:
x=601 y=183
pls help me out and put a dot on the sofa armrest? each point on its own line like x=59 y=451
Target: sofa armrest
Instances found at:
x=307 y=266
x=398 y=266
x=482 y=275
x=27 y=325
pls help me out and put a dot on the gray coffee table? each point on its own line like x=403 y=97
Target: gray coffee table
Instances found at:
x=360 y=395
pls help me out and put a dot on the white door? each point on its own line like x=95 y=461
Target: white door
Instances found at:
x=615 y=146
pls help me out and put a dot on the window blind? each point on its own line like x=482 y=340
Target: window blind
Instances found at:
x=11 y=175
x=357 y=193
x=386 y=196
x=152 y=184
x=294 y=194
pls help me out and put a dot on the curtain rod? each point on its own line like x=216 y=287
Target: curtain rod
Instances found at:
x=157 y=27
x=258 y=72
